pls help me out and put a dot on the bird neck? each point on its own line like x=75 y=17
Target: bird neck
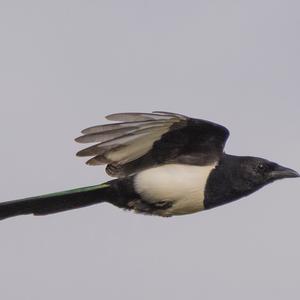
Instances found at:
x=226 y=183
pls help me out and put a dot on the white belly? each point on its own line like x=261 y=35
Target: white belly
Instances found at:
x=182 y=185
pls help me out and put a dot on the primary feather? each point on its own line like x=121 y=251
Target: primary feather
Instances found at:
x=124 y=142
x=133 y=117
x=114 y=126
x=125 y=148
x=103 y=135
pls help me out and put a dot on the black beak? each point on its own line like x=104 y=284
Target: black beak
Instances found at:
x=281 y=172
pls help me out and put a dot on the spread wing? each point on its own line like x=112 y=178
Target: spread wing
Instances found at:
x=143 y=140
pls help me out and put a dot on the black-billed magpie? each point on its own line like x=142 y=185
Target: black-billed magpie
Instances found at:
x=166 y=164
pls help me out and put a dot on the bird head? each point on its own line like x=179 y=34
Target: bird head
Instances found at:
x=239 y=176
x=258 y=172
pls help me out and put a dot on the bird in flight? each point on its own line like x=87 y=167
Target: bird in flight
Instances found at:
x=164 y=164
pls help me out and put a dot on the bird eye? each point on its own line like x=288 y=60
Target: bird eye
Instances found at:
x=261 y=168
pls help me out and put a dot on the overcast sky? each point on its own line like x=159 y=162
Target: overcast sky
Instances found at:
x=64 y=65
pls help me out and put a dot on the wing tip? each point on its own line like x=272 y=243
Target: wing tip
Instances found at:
x=97 y=161
x=79 y=139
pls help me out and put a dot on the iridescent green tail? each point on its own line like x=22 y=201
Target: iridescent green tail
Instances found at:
x=56 y=202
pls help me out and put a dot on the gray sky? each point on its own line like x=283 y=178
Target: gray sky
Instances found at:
x=64 y=65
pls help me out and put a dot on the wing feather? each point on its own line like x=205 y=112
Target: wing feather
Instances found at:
x=142 y=140
x=127 y=151
x=114 y=126
x=100 y=137
x=105 y=135
x=135 y=117
x=125 y=147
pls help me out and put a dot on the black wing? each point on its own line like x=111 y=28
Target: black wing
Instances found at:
x=144 y=140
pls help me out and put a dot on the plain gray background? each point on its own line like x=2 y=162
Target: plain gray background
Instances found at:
x=64 y=65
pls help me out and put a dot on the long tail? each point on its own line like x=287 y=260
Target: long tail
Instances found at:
x=57 y=202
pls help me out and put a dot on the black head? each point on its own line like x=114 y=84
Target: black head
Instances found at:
x=237 y=176
x=259 y=172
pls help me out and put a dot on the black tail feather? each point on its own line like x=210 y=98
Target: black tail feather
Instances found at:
x=57 y=202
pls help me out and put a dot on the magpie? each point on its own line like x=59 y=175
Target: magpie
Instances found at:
x=164 y=164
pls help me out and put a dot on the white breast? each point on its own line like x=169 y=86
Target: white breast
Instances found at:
x=183 y=185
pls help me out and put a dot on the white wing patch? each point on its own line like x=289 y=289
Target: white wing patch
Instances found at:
x=124 y=142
